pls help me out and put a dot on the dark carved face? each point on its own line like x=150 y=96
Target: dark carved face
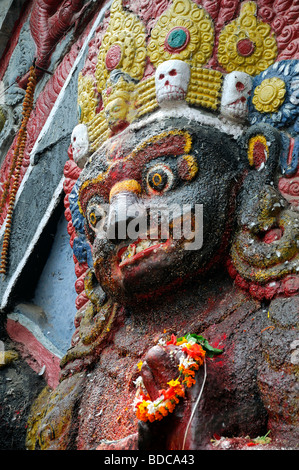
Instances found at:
x=187 y=170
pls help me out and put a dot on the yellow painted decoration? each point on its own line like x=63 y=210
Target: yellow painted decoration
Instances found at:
x=87 y=101
x=269 y=95
x=146 y=96
x=123 y=46
x=98 y=130
x=119 y=101
x=205 y=88
x=127 y=185
x=2 y=119
x=252 y=142
x=7 y=357
x=190 y=19
x=125 y=95
x=184 y=31
x=192 y=167
x=247 y=44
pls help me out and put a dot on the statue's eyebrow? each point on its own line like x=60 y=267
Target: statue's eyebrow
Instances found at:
x=174 y=142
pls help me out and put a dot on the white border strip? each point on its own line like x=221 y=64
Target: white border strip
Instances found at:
x=40 y=228
x=36 y=331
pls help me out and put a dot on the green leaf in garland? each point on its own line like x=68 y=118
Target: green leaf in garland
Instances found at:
x=210 y=351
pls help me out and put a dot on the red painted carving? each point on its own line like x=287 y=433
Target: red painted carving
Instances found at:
x=287 y=286
x=282 y=15
x=113 y=57
x=38 y=118
x=245 y=47
x=35 y=354
x=289 y=188
x=39 y=115
x=72 y=173
x=148 y=10
x=49 y=21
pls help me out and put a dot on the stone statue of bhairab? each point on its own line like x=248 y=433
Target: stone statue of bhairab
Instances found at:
x=185 y=229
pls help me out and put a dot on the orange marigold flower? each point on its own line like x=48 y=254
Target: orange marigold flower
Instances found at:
x=180 y=392
x=158 y=416
x=168 y=394
x=189 y=372
x=151 y=418
x=189 y=381
x=142 y=415
x=195 y=351
x=170 y=406
x=163 y=411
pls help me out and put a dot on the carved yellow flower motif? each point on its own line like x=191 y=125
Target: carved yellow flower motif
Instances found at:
x=269 y=95
x=122 y=47
x=184 y=31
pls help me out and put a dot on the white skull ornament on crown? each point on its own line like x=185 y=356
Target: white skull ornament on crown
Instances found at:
x=172 y=79
x=236 y=90
x=80 y=144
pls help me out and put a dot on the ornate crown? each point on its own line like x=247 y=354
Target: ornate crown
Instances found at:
x=122 y=86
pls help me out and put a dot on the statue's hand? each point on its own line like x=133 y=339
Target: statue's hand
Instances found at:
x=160 y=366
x=174 y=380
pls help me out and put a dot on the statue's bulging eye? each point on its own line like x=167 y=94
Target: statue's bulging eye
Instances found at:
x=92 y=218
x=160 y=178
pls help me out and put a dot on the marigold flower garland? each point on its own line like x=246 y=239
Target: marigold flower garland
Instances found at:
x=194 y=349
x=16 y=166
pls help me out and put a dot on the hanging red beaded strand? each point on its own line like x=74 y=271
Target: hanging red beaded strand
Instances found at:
x=15 y=168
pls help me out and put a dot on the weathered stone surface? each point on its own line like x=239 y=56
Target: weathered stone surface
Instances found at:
x=19 y=387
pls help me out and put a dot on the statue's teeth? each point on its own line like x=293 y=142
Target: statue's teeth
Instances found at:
x=137 y=248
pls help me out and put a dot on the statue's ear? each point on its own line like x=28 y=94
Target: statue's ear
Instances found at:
x=262 y=145
x=262 y=148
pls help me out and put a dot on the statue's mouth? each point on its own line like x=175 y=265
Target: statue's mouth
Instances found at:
x=171 y=92
x=139 y=249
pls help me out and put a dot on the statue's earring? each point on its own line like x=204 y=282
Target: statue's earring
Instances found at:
x=259 y=200
x=93 y=289
x=263 y=146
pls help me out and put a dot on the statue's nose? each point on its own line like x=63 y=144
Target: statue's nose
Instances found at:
x=123 y=198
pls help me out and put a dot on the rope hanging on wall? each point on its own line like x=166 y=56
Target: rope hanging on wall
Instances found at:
x=15 y=168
